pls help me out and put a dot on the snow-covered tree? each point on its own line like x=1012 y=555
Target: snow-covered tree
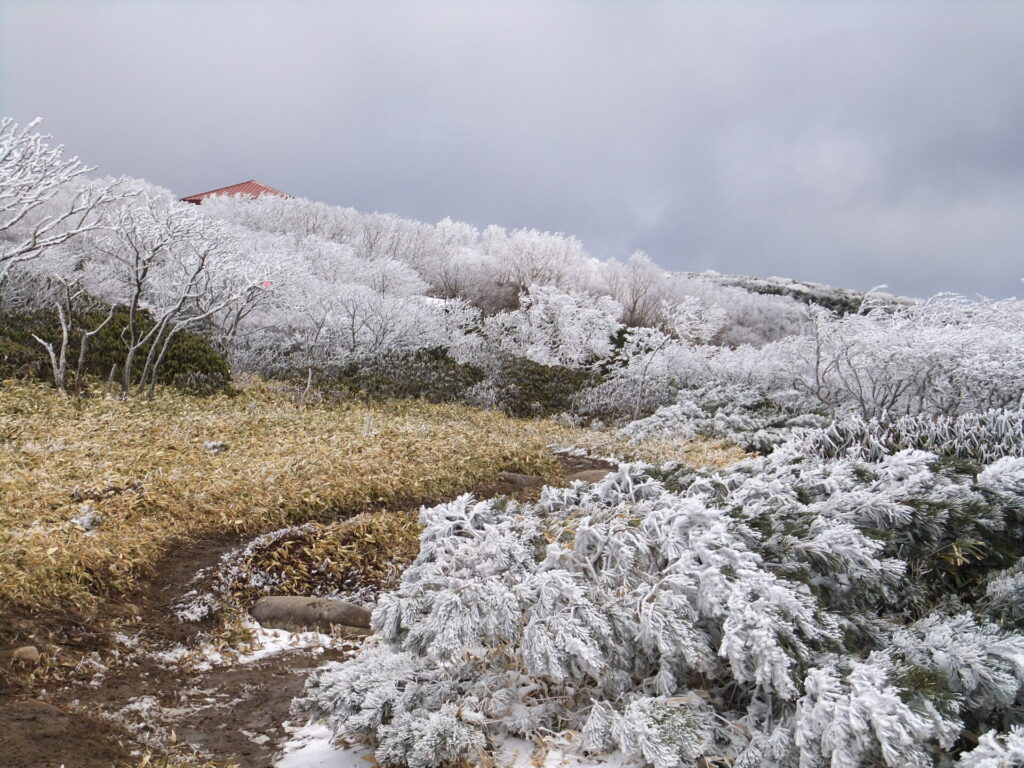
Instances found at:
x=44 y=199
x=166 y=259
x=555 y=327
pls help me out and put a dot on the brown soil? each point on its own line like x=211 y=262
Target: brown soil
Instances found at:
x=25 y=725
x=68 y=710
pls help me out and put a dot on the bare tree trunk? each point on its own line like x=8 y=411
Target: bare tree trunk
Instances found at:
x=154 y=373
x=58 y=360
x=156 y=342
x=111 y=379
x=84 y=346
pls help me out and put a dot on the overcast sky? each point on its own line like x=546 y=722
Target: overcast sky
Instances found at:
x=853 y=144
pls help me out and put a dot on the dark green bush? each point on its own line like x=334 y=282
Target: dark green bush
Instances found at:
x=430 y=374
x=522 y=387
x=516 y=386
x=191 y=364
x=18 y=360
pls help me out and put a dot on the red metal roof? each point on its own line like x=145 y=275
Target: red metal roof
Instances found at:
x=250 y=187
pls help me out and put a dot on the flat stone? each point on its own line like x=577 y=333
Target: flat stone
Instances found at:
x=523 y=481
x=26 y=653
x=588 y=475
x=320 y=613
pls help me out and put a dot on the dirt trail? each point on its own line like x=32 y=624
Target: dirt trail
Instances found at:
x=110 y=715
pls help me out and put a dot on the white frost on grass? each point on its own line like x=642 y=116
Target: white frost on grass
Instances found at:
x=265 y=642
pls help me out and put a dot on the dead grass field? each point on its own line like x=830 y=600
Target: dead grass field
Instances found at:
x=142 y=468
x=167 y=504
x=700 y=452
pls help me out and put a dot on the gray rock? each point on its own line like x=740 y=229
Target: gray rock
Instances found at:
x=523 y=481
x=588 y=475
x=26 y=653
x=214 y=447
x=320 y=613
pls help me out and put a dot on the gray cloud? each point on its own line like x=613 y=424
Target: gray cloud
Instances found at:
x=855 y=144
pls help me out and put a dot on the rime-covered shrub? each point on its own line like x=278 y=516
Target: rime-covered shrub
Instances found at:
x=1004 y=595
x=555 y=328
x=622 y=395
x=946 y=356
x=996 y=750
x=839 y=300
x=651 y=365
x=745 y=416
x=790 y=611
x=981 y=436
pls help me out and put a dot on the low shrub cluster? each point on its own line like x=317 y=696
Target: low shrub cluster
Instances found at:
x=513 y=385
x=522 y=387
x=787 y=611
x=982 y=437
x=192 y=364
x=749 y=417
x=431 y=374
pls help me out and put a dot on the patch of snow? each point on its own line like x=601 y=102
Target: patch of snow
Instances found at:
x=88 y=518
x=128 y=641
x=272 y=641
x=312 y=746
x=557 y=753
x=265 y=642
x=195 y=609
x=256 y=738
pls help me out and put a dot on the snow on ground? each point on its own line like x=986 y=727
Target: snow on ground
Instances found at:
x=265 y=642
x=558 y=753
x=311 y=746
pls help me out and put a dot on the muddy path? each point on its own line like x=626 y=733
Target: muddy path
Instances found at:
x=132 y=678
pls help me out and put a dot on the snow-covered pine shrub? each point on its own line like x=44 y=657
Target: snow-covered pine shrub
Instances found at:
x=747 y=416
x=983 y=436
x=852 y=714
x=1004 y=595
x=788 y=611
x=996 y=750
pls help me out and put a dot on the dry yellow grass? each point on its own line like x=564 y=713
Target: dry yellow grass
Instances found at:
x=142 y=466
x=699 y=452
x=365 y=553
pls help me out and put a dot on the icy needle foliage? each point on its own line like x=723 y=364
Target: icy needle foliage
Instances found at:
x=786 y=612
x=749 y=417
x=995 y=751
x=984 y=436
